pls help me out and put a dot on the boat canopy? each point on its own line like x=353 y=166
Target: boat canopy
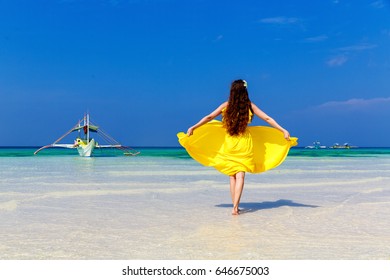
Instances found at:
x=92 y=128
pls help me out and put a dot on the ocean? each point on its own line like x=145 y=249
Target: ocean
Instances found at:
x=179 y=152
x=161 y=204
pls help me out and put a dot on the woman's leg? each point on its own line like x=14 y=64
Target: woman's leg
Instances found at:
x=232 y=186
x=238 y=188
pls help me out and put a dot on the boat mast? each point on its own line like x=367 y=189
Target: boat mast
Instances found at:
x=87 y=128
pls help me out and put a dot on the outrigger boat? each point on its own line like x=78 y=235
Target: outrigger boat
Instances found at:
x=84 y=144
x=345 y=146
x=316 y=145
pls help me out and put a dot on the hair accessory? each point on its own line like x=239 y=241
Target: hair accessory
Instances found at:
x=245 y=83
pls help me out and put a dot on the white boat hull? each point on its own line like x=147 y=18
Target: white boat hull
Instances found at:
x=86 y=150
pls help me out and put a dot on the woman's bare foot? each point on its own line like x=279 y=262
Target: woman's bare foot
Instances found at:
x=235 y=211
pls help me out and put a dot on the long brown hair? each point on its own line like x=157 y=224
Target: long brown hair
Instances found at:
x=236 y=116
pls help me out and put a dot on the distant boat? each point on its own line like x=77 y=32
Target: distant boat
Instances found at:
x=316 y=145
x=345 y=146
x=84 y=143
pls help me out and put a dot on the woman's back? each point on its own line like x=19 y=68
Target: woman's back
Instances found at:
x=238 y=112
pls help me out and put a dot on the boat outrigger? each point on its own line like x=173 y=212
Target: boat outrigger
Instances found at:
x=84 y=144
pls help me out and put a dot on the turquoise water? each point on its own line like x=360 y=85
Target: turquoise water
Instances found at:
x=177 y=152
x=356 y=152
x=148 y=152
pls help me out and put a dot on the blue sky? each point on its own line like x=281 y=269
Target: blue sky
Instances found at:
x=147 y=69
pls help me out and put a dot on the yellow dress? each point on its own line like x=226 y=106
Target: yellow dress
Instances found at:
x=259 y=149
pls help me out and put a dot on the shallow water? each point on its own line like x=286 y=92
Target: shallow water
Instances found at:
x=169 y=207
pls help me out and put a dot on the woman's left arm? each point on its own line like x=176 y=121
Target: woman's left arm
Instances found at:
x=269 y=120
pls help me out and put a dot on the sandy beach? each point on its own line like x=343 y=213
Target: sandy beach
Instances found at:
x=167 y=208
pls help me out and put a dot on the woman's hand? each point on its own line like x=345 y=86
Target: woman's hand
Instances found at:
x=190 y=131
x=286 y=135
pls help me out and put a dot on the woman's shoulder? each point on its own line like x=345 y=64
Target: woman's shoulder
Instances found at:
x=253 y=105
x=224 y=105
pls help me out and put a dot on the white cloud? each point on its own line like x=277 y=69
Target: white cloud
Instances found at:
x=356 y=104
x=378 y=4
x=386 y=32
x=219 y=38
x=344 y=53
x=357 y=48
x=280 y=20
x=337 y=61
x=113 y=3
x=315 y=39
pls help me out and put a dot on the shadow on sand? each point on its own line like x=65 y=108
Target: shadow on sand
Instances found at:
x=248 y=207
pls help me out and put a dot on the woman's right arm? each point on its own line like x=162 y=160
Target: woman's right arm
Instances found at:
x=207 y=118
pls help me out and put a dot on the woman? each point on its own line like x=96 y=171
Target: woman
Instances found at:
x=232 y=147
